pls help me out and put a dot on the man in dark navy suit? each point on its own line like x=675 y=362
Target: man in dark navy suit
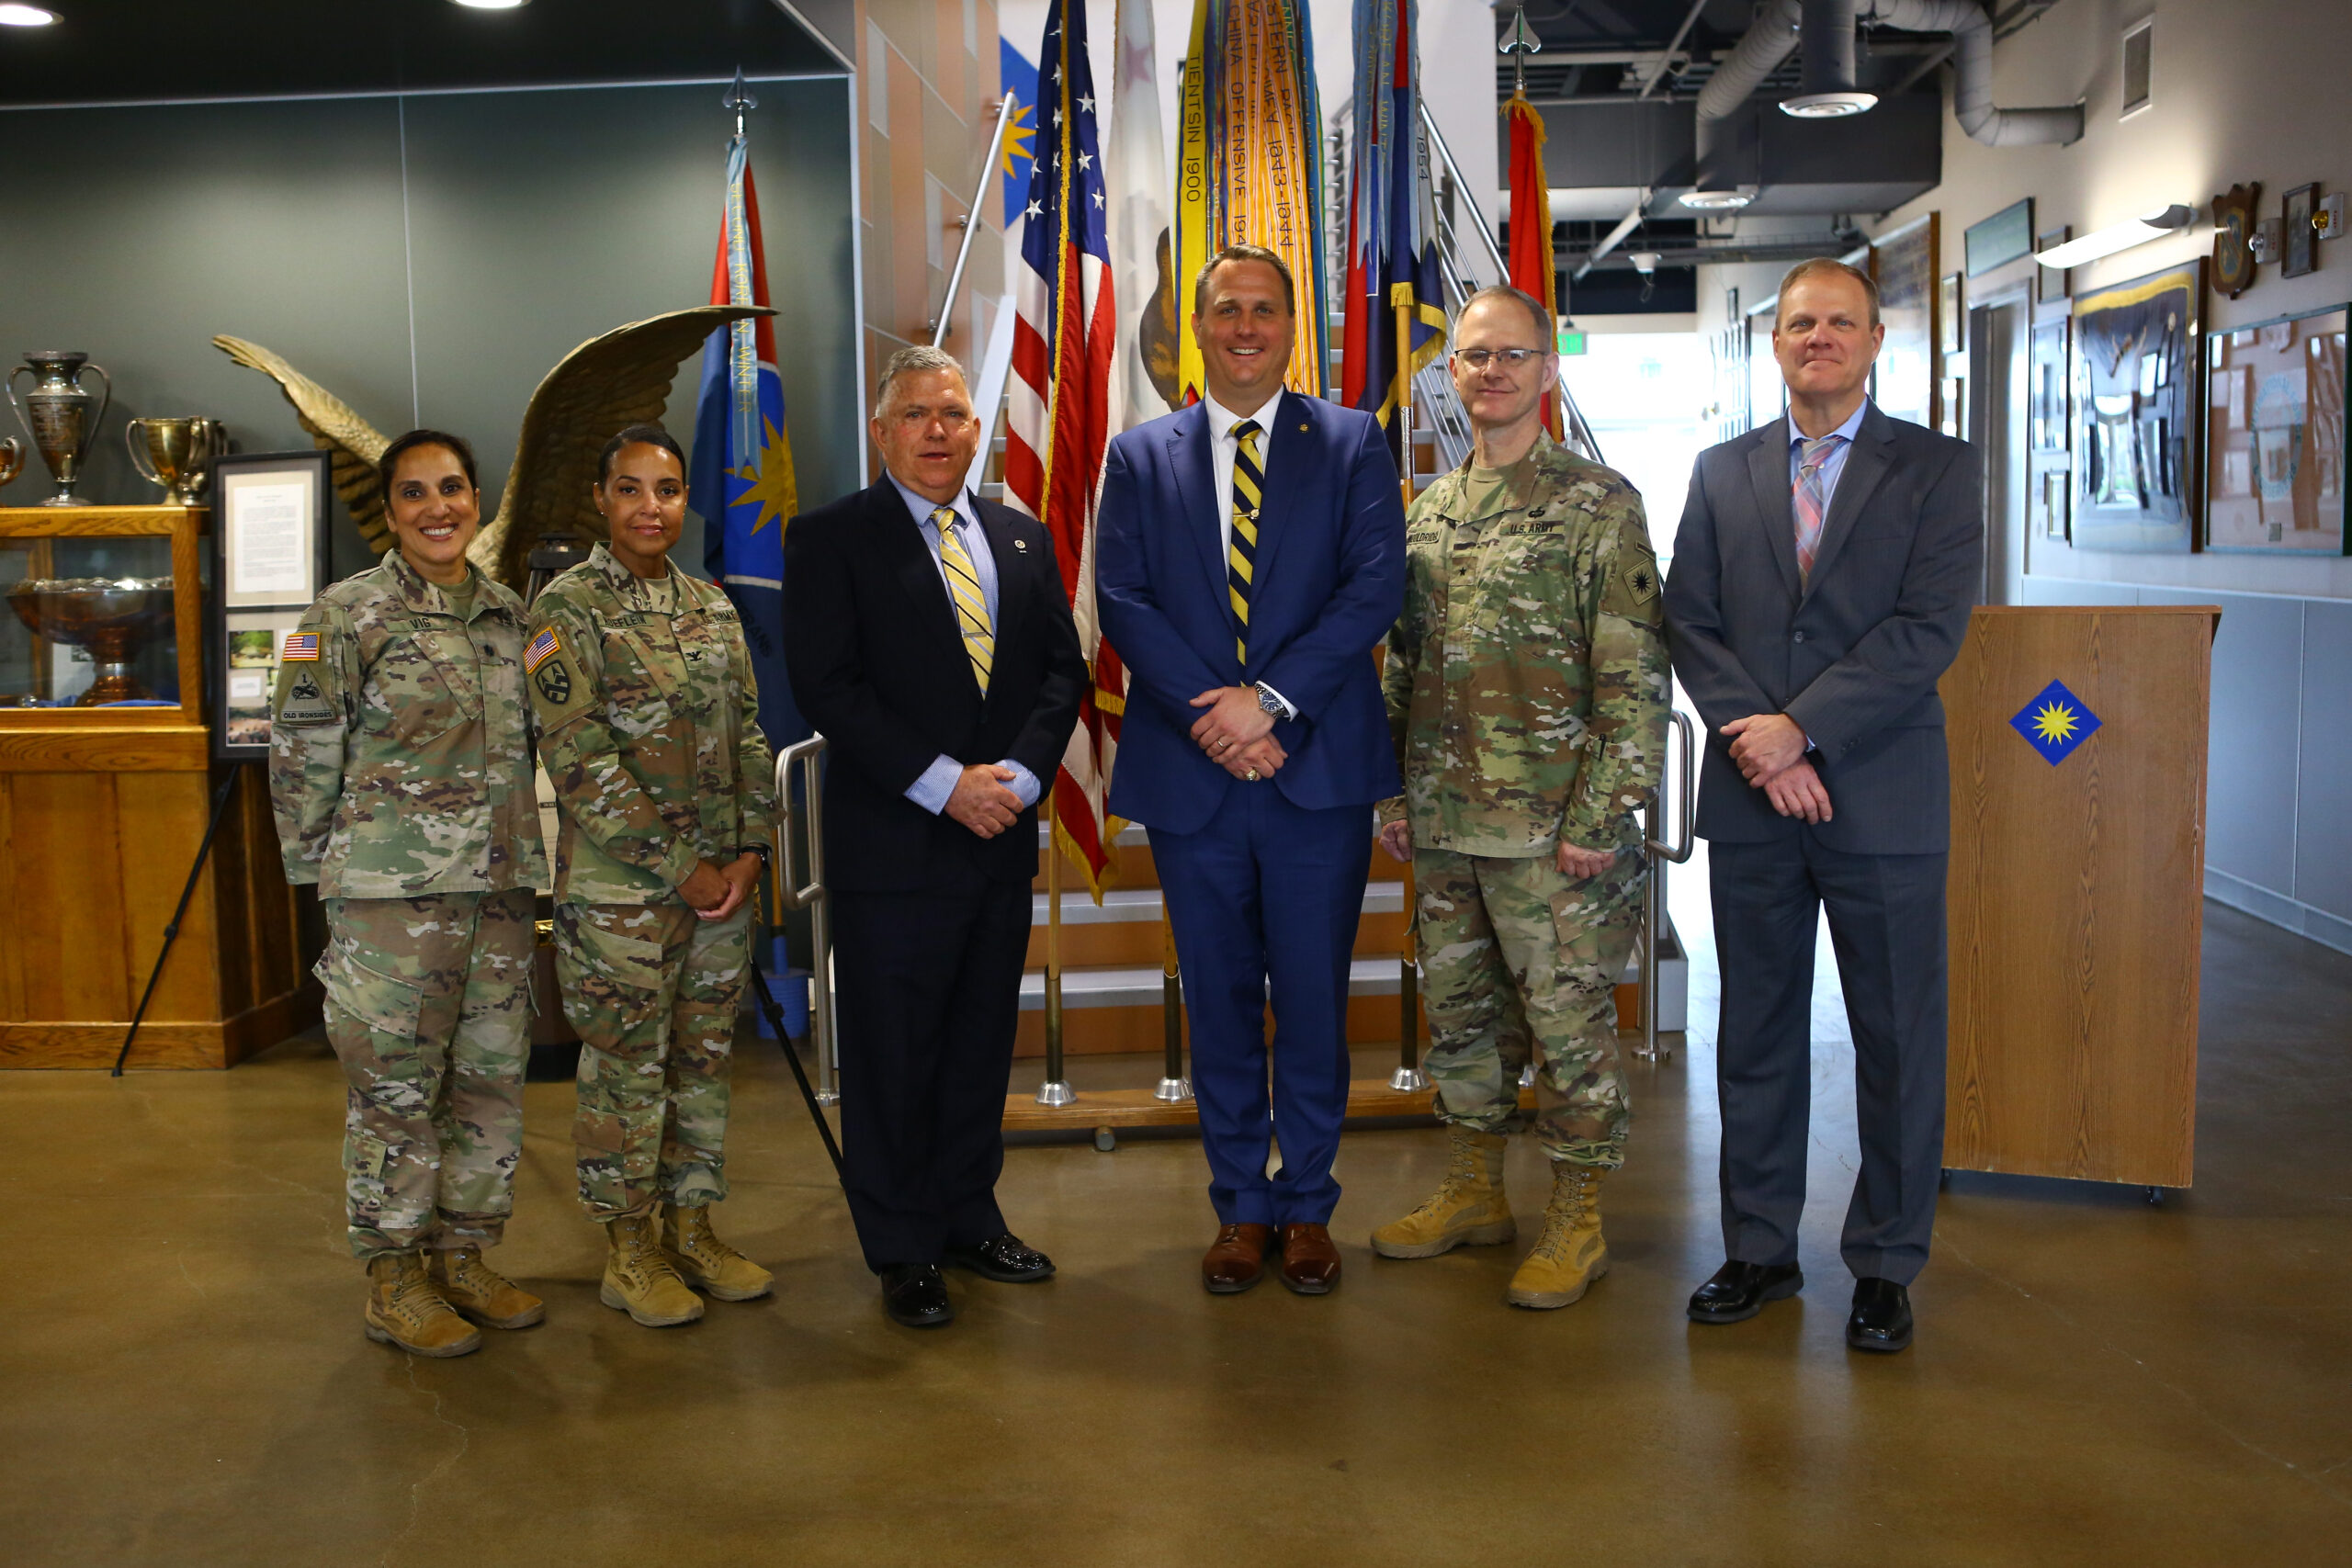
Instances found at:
x=1250 y=554
x=927 y=638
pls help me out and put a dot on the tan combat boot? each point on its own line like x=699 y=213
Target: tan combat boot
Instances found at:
x=482 y=1294
x=403 y=1309
x=1570 y=1255
x=639 y=1279
x=1468 y=1209
x=709 y=1264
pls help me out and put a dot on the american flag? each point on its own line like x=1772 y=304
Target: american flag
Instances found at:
x=300 y=645
x=1059 y=403
x=542 y=649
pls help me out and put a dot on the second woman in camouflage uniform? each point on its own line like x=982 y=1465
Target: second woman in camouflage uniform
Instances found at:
x=400 y=773
x=1527 y=688
x=649 y=725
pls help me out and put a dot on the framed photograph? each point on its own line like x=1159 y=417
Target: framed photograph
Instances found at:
x=1768 y=394
x=2051 y=282
x=269 y=533
x=2274 y=437
x=2296 y=251
x=2135 y=372
x=1903 y=264
x=2048 y=425
x=1951 y=322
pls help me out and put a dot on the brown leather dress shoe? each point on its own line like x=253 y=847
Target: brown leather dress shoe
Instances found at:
x=1310 y=1263
x=1237 y=1259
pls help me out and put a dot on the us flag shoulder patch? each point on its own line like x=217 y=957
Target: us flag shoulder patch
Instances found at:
x=543 y=648
x=300 y=646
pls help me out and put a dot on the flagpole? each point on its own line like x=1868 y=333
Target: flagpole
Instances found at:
x=1405 y=399
x=1173 y=1085
x=1055 y=1089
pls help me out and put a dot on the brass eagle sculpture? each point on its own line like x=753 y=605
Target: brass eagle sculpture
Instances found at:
x=620 y=378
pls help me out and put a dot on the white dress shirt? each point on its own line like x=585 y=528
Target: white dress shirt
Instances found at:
x=1224 y=447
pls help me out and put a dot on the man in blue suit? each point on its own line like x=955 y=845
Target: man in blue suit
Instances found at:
x=1252 y=554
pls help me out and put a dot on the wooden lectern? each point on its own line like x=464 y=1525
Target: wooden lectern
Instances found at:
x=2076 y=891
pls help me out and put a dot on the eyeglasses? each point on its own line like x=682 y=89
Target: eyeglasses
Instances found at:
x=1508 y=358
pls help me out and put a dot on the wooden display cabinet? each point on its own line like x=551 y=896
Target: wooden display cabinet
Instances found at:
x=102 y=810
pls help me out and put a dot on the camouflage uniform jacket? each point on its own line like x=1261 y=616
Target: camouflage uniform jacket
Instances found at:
x=400 y=757
x=649 y=725
x=1526 y=681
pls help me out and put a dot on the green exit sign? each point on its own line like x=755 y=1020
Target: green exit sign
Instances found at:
x=1571 y=342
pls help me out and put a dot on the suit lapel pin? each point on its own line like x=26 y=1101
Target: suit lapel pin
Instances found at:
x=1302 y=429
x=1021 y=545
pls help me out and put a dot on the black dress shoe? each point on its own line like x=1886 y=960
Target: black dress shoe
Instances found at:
x=1002 y=1258
x=914 y=1294
x=1882 y=1316
x=1739 y=1291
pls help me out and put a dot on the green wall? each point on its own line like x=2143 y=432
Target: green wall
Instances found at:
x=426 y=259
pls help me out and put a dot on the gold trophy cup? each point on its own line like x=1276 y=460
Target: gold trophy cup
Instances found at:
x=174 y=453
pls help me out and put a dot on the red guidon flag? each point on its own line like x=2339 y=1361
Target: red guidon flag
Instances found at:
x=1057 y=417
x=1531 y=221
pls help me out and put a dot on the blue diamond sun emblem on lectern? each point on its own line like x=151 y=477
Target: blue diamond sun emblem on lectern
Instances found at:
x=2055 y=722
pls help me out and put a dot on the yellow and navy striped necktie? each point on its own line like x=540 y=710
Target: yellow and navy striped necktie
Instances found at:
x=1241 y=555
x=963 y=587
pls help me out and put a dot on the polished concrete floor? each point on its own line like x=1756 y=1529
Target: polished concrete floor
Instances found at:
x=183 y=1380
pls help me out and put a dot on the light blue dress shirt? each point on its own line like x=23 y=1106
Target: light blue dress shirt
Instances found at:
x=938 y=780
x=1833 y=465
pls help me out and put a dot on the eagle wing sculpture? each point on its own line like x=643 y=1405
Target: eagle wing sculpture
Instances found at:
x=334 y=426
x=620 y=378
x=608 y=382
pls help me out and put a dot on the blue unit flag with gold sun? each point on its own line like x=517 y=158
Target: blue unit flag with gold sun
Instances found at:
x=2055 y=722
x=742 y=480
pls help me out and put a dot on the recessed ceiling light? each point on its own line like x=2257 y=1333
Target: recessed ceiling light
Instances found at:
x=1828 y=106
x=1715 y=200
x=26 y=17
x=491 y=5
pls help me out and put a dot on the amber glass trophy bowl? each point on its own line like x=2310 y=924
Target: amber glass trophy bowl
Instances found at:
x=110 y=616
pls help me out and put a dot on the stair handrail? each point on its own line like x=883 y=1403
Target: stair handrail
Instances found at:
x=939 y=324
x=812 y=896
x=988 y=396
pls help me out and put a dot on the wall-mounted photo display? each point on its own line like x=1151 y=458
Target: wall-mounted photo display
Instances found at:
x=2136 y=359
x=2049 y=424
x=269 y=530
x=1768 y=394
x=2274 y=442
x=2000 y=238
x=2051 y=282
x=2298 y=255
x=1902 y=262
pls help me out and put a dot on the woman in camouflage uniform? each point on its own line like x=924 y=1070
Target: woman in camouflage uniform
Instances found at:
x=648 y=724
x=400 y=773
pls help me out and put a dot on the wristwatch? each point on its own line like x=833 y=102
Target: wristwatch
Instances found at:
x=760 y=850
x=1271 y=702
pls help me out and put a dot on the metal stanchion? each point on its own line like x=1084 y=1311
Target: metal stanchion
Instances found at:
x=812 y=896
x=1654 y=920
x=1174 y=1087
x=1408 y=1077
x=1055 y=1089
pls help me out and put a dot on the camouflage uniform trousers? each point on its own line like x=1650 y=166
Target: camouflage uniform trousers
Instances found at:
x=428 y=1007
x=1517 y=956
x=653 y=991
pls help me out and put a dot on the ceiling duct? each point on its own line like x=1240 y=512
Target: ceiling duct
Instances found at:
x=1825 y=83
x=1781 y=23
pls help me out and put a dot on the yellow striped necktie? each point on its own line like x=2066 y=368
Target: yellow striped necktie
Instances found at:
x=963 y=587
x=1241 y=555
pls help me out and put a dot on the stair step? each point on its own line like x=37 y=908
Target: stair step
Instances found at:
x=1122 y=906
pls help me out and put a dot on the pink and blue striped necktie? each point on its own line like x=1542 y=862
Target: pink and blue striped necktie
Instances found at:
x=1810 y=503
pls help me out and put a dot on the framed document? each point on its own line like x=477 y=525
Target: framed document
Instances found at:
x=269 y=528
x=2137 y=369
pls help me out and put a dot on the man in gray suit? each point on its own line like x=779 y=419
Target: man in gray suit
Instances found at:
x=1822 y=580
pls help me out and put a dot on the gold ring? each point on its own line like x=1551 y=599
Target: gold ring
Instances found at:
x=1253 y=775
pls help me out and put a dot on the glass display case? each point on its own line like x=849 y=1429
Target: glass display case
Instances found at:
x=103 y=615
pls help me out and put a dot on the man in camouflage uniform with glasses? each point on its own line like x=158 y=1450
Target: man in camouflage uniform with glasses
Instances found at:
x=1527 y=690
